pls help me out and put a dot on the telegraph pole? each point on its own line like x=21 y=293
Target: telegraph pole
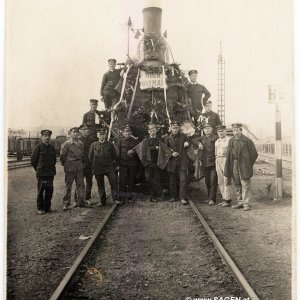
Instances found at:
x=275 y=95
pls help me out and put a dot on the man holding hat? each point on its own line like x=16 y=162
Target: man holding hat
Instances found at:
x=102 y=155
x=71 y=155
x=209 y=163
x=43 y=160
x=110 y=79
x=128 y=160
x=177 y=165
x=239 y=165
x=211 y=117
x=221 y=147
x=195 y=92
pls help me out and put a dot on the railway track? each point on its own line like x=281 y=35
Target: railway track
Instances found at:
x=20 y=164
x=60 y=292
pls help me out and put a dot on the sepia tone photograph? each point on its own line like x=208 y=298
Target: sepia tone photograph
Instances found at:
x=149 y=150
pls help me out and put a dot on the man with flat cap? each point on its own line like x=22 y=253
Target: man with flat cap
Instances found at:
x=103 y=157
x=209 y=163
x=110 y=79
x=241 y=157
x=43 y=160
x=177 y=165
x=221 y=147
x=71 y=155
x=94 y=117
x=195 y=92
x=152 y=172
x=128 y=160
x=210 y=117
x=87 y=141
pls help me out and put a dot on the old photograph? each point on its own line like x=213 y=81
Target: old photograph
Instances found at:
x=149 y=150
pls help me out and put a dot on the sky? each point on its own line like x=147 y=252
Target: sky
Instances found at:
x=56 y=53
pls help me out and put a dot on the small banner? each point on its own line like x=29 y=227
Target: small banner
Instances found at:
x=151 y=80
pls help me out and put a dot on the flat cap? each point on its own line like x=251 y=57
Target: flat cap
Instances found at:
x=221 y=127
x=46 y=132
x=95 y=101
x=127 y=127
x=101 y=130
x=208 y=125
x=192 y=72
x=175 y=123
x=152 y=125
x=75 y=129
x=236 y=125
x=112 y=60
x=83 y=126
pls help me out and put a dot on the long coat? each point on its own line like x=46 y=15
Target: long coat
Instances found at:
x=183 y=157
x=247 y=156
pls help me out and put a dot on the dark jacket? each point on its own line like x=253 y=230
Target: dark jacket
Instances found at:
x=125 y=145
x=109 y=82
x=195 y=93
x=153 y=144
x=182 y=159
x=247 y=156
x=43 y=160
x=213 y=119
x=102 y=157
x=208 y=153
x=87 y=142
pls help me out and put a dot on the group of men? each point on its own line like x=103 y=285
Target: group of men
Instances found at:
x=88 y=153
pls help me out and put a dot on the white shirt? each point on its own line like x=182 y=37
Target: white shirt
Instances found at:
x=221 y=146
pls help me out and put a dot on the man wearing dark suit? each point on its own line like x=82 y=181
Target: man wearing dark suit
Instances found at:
x=211 y=117
x=110 y=79
x=102 y=155
x=195 y=92
x=43 y=160
x=209 y=163
x=178 y=163
x=94 y=117
x=239 y=165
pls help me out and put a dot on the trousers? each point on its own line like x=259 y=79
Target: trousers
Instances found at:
x=88 y=176
x=74 y=172
x=101 y=186
x=211 y=182
x=45 y=192
x=126 y=177
x=152 y=176
x=242 y=186
x=224 y=184
x=181 y=176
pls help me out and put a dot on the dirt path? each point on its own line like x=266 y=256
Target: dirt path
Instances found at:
x=154 y=251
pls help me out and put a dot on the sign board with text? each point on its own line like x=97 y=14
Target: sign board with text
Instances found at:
x=151 y=80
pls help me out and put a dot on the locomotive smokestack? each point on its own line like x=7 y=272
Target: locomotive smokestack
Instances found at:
x=152 y=17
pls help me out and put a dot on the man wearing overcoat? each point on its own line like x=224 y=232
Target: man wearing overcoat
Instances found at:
x=241 y=157
x=43 y=160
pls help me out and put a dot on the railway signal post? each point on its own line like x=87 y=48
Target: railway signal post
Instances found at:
x=275 y=97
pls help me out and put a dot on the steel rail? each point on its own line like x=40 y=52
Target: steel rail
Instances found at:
x=224 y=255
x=66 y=280
x=18 y=165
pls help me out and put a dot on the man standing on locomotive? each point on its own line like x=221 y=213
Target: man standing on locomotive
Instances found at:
x=195 y=92
x=239 y=165
x=71 y=155
x=110 y=79
x=102 y=155
x=43 y=160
